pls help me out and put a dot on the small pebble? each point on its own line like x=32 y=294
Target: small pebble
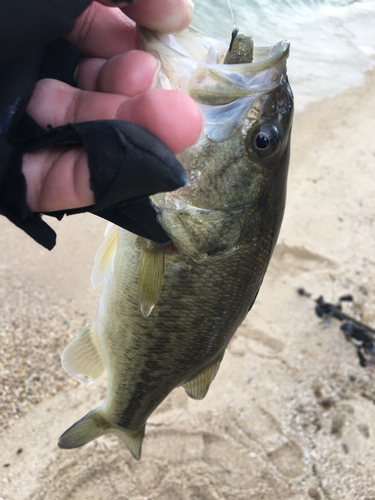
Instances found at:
x=314 y=493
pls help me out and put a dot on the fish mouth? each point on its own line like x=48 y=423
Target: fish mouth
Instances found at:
x=194 y=44
x=192 y=62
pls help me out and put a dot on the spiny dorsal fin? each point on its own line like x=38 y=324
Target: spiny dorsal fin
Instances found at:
x=150 y=275
x=198 y=387
x=82 y=358
x=105 y=256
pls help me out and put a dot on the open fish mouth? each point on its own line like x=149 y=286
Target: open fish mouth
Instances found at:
x=193 y=63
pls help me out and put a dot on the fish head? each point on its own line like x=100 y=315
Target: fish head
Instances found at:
x=248 y=112
x=240 y=162
x=243 y=153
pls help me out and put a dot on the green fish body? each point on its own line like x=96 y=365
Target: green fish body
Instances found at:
x=167 y=314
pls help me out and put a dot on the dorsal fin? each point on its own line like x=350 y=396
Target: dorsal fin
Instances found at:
x=105 y=256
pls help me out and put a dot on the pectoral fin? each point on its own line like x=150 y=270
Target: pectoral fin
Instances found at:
x=82 y=358
x=150 y=275
x=198 y=387
x=105 y=256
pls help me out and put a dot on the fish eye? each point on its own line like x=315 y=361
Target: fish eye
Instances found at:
x=263 y=141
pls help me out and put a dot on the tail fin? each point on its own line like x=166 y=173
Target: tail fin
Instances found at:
x=94 y=425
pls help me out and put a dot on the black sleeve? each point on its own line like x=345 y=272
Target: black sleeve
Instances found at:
x=29 y=24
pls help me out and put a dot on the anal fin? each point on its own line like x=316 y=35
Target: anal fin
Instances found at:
x=198 y=387
x=150 y=275
x=133 y=441
x=82 y=358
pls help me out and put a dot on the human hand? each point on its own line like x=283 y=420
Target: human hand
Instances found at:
x=113 y=83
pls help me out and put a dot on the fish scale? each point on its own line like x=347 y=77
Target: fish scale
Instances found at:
x=167 y=314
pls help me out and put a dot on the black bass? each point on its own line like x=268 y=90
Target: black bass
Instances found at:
x=167 y=313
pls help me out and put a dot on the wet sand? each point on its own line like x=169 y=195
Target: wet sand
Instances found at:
x=291 y=413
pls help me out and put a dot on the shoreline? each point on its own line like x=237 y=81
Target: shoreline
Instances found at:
x=264 y=424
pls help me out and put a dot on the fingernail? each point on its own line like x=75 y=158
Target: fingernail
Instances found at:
x=203 y=126
x=202 y=130
x=190 y=6
x=179 y=19
x=189 y=12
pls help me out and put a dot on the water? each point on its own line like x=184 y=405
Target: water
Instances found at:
x=332 y=41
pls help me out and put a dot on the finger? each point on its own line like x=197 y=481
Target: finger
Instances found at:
x=130 y=73
x=103 y=32
x=55 y=103
x=164 y=16
x=57 y=179
x=170 y=115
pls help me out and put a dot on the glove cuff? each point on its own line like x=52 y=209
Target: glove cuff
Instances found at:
x=58 y=60
x=13 y=203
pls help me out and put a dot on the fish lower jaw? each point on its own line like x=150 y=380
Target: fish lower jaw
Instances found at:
x=182 y=199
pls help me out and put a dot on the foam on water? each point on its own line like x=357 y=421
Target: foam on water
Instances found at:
x=332 y=41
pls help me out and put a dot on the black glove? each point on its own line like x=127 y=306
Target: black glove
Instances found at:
x=127 y=163
x=26 y=25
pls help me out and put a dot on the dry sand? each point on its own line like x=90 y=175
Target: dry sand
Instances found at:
x=291 y=414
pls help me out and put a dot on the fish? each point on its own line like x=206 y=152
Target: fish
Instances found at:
x=168 y=312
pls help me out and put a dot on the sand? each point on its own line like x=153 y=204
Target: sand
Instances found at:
x=291 y=414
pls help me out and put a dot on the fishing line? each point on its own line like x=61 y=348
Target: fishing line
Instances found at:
x=231 y=11
x=235 y=27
